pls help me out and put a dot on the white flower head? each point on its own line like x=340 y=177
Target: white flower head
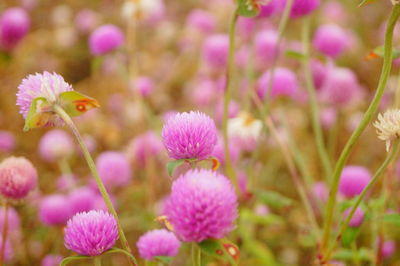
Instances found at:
x=245 y=128
x=388 y=126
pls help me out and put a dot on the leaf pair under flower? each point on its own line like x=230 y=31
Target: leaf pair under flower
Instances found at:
x=171 y=166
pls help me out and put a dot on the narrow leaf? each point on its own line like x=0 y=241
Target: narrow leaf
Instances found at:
x=294 y=54
x=171 y=166
x=75 y=103
x=221 y=249
x=67 y=260
x=35 y=117
x=349 y=235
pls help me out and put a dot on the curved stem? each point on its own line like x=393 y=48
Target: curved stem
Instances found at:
x=389 y=158
x=65 y=117
x=316 y=124
x=4 y=233
x=227 y=98
x=387 y=64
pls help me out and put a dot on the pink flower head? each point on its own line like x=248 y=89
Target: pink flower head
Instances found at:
x=7 y=141
x=303 y=7
x=91 y=233
x=45 y=85
x=273 y=7
x=144 y=146
x=388 y=248
x=144 y=85
x=320 y=191
x=55 y=145
x=114 y=168
x=203 y=92
x=55 y=210
x=357 y=218
x=202 y=205
x=215 y=51
x=14 y=223
x=18 y=177
x=189 y=135
x=105 y=39
x=283 y=83
x=265 y=45
x=353 y=180
x=330 y=40
x=51 y=260
x=82 y=199
x=14 y=25
x=201 y=20
x=8 y=250
x=86 y=20
x=319 y=73
x=156 y=243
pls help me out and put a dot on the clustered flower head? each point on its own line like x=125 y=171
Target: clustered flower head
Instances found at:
x=55 y=145
x=388 y=126
x=14 y=25
x=353 y=180
x=17 y=178
x=202 y=205
x=46 y=85
x=114 y=168
x=105 y=39
x=91 y=233
x=158 y=242
x=189 y=135
x=55 y=210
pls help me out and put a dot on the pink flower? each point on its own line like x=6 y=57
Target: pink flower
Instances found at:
x=105 y=39
x=156 y=243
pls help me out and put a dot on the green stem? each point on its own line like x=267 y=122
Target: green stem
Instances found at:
x=4 y=233
x=65 y=117
x=97 y=261
x=387 y=64
x=227 y=97
x=316 y=124
x=196 y=255
x=389 y=158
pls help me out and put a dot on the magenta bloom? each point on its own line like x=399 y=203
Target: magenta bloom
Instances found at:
x=105 y=39
x=55 y=145
x=17 y=177
x=14 y=25
x=353 y=180
x=144 y=85
x=202 y=205
x=45 y=85
x=51 y=260
x=55 y=210
x=388 y=248
x=201 y=21
x=189 y=135
x=91 y=233
x=219 y=152
x=114 y=168
x=82 y=199
x=330 y=40
x=284 y=83
x=7 y=141
x=357 y=218
x=8 y=250
x=158 y=243
x=265 y=45
x=144 y=146
x=215 y=51
x=273 y=7
x=303 y=7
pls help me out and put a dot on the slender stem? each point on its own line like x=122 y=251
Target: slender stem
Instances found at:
x=64 y=116
x=387 y=64
x=97 y=261
x=66 y=170
x=227 y=97
x=196 y=255
x=4 y=233
x=316 y=124
x=389 y=158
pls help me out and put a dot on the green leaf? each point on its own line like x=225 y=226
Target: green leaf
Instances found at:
x=349 y=235
x=294 y=54
x=35 y=117
x=347 y=254
x=171 y=166
x=164 y=259
x=392 y=218
x=67 y=260
x=246 y=8
x=273 y=199
x=379 y=51
x=75 y=103
x=119 y=250
x=221 y=249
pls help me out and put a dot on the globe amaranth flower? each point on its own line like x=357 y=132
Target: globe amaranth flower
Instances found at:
x=91 y=233
x=353 y=180
x=17 y=178
x=202 y=205
x=14 y=25
x=215 y=51
x=145 y=146
x=55 y=210
x=330 y=40
x=303 y=7
x=189 y=135
x=114 y=168
x=7 y=141
x=51 y=260
x=388 y=126
x=283 y=83
x=82 y=199
x=158 y=243
x=55 y=145
x=357 y=219
x=105 y=39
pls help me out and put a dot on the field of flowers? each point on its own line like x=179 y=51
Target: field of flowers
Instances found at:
x=223 y=132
